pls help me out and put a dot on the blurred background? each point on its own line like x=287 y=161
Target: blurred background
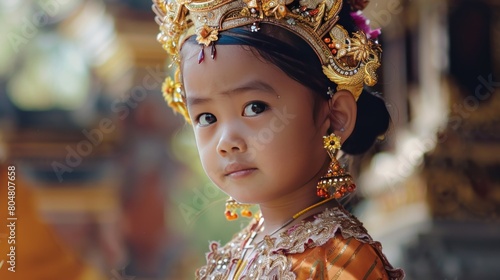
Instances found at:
x=107 y=180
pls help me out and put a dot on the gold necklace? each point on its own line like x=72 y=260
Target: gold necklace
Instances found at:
x=241 y=263
x=247 y=245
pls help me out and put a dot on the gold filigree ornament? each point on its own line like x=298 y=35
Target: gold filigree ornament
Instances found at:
x=355 y=63
x=172 y=92
x=207 y=35
x=349 y=61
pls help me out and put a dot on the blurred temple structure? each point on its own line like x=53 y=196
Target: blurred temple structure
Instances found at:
x=462 y=172
x=438 y=182
x=83 y=122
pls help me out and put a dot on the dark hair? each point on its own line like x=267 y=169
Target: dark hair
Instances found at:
x=297 y=59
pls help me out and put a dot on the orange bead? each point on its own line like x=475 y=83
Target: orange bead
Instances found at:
x=246 y=213
x=233 y=217
x=327 y=40
x=337 y=195
x=319 y=192
x=322 y=193
x=230 y=216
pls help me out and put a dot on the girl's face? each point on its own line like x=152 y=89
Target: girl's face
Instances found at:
x=256 y=129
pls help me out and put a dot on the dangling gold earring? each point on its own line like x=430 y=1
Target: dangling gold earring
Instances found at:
x=232 y=206
x=337 y=181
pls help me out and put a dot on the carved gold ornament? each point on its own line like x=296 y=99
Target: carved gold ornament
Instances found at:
x=349 y=61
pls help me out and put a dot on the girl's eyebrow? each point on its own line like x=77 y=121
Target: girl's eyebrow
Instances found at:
x=252 y=85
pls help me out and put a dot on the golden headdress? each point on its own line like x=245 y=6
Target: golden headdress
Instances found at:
x=348 y=61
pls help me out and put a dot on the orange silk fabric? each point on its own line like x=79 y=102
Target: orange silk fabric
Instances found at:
x=339 y=258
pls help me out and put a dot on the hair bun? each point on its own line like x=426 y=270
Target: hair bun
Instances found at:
x=372 y=120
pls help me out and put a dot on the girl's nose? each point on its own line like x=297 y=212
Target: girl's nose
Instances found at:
x=231 y=141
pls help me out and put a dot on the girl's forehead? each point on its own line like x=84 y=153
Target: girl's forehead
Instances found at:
x=188 y=50
x=231 y=61
x=192 y=50
x=232 y=67
x=234 y=70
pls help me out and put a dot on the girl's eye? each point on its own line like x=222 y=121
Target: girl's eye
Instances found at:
x=254 y=108
x=206 y=119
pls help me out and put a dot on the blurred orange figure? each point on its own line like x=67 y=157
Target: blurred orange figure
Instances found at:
x=39 y=254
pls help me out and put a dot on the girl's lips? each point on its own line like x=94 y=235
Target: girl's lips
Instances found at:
x=241 y=173
x=236 y=170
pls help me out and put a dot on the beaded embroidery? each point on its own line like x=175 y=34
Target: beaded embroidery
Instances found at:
x=270 y=259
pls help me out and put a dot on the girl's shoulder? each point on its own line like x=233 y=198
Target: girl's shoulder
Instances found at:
x=317 y=230
x=333 y=245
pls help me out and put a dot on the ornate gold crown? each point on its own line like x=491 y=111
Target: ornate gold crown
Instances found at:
x=349 y=62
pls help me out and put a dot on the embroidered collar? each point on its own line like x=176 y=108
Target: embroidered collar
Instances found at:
x=269 y=259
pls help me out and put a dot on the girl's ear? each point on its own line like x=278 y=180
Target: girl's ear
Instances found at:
x=342 y=114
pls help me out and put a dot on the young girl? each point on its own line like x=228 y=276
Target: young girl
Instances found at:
x=274 y=89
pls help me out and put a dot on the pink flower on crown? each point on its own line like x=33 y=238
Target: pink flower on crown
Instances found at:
x=364 y=25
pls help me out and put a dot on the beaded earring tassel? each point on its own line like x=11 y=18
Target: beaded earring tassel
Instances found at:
x=337 y=182
x=232 y=206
